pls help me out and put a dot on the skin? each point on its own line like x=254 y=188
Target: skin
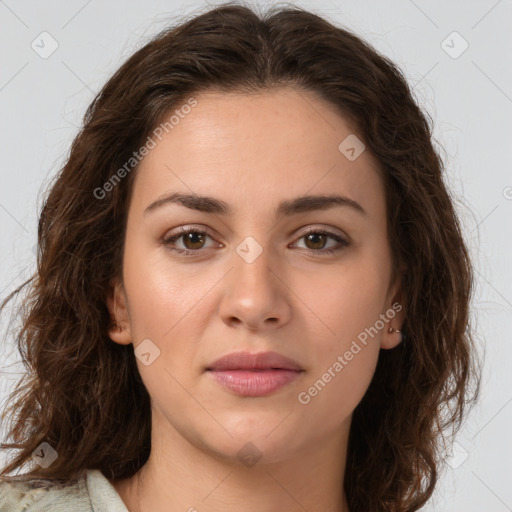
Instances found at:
x=253 y=151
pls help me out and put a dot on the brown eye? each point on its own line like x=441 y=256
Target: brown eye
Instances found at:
x=316 y=239
x=193 y=241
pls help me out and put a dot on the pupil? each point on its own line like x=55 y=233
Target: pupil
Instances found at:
x=315 y=235
x=190 y=238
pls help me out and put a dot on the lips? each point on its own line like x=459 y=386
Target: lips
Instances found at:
x=258 y=361
x=254 y=375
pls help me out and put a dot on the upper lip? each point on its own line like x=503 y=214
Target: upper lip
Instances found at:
x=258 y=361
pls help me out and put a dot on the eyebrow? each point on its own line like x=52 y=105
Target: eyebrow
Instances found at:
x=286 y=208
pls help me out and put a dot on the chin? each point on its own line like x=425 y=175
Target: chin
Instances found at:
x=262 y=437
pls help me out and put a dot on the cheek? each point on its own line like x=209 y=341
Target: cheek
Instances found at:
x=163 y=297
x=347 y=299
x=349 y=304
x=165 y=307
x=347 y=353
x=334 y=394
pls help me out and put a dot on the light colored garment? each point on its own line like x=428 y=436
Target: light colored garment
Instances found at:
x=91 y=492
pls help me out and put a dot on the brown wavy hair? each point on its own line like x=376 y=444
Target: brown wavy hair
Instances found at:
x=83 y=394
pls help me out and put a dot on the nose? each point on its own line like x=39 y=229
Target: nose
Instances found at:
x=255 y=294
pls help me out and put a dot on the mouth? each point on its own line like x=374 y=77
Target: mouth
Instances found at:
x=254 y=375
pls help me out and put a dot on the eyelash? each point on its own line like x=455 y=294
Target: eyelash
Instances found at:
x=186 y=231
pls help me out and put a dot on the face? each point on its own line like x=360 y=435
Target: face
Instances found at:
x=255 y=269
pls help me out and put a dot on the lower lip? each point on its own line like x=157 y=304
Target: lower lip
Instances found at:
x=254 y=383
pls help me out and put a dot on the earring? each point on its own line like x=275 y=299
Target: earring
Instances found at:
x=402 y=336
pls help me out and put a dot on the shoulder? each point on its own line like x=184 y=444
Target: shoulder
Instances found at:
x=22 y=493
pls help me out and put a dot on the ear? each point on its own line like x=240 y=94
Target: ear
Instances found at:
x=119 y=328
x=395 y=314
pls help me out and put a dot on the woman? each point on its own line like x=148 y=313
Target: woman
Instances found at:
x=252 y=288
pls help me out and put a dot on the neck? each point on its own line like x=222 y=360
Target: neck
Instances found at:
x=184 y=476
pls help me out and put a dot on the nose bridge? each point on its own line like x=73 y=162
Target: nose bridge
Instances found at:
x=254 y=293
x=253 y=275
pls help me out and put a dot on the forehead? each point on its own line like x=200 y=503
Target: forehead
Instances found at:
x=258 y=148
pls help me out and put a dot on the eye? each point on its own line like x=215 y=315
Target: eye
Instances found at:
x=316 y=238
x=193 y=240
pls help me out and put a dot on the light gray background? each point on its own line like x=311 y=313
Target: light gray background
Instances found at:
x=469 y=97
